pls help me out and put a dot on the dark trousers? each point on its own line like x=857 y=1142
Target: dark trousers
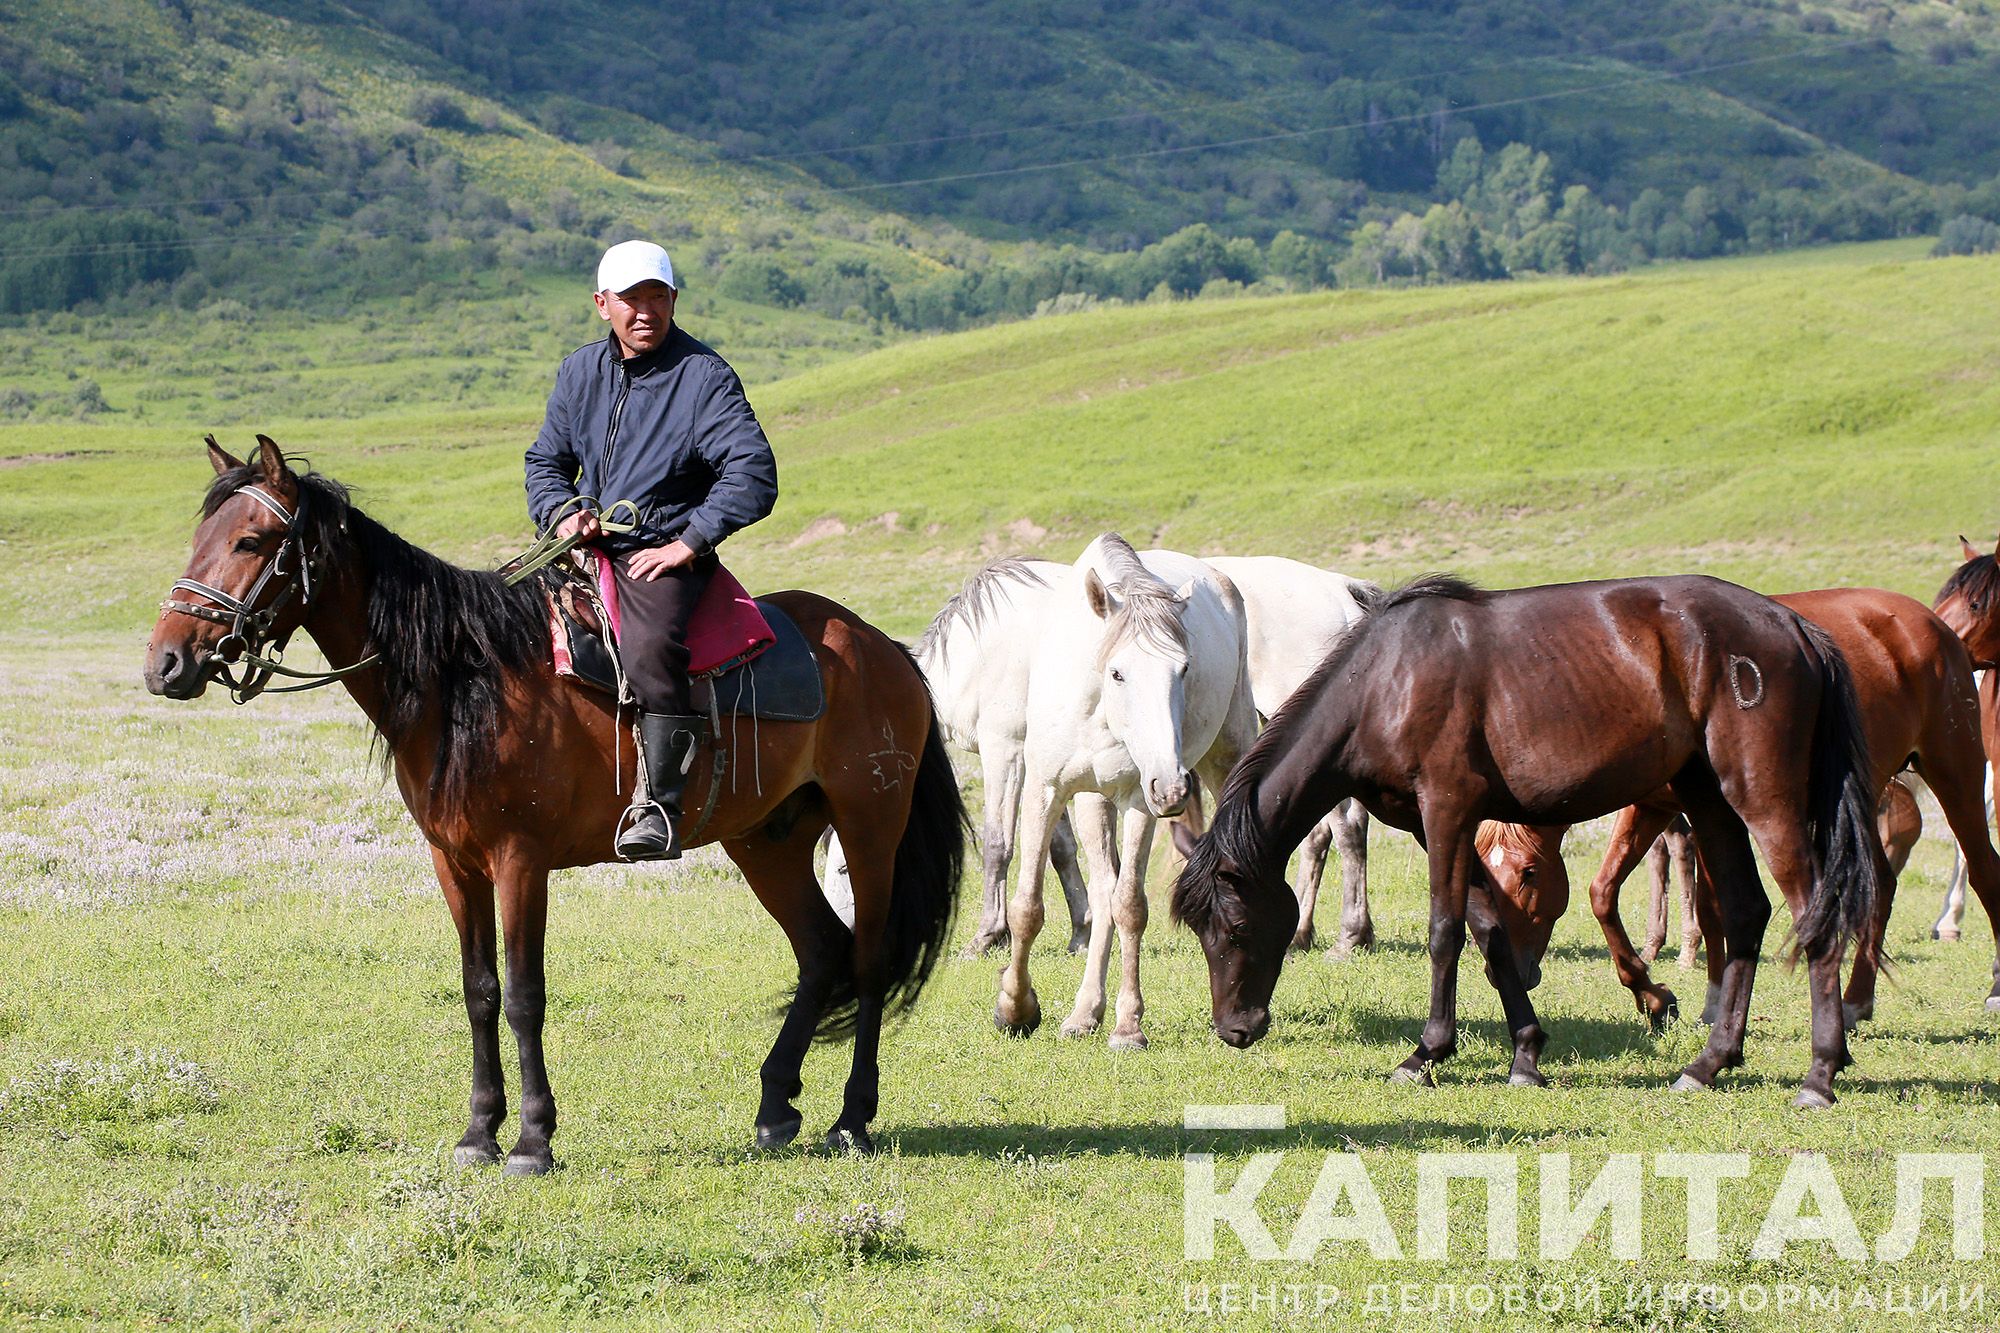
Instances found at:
x=653 y=642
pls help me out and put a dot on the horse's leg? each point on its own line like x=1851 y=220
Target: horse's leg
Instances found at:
x=1952 y=911
x=1858 y=1003
x=781 y=875
x=1744 y=911
x=1656 y=915
x=1063 y=853
x=1788 y=850
x=1681 y=852
x=1448 y=841
x=470 y=897
x=1706 y=913
x=872 y=864
x=524 y=916
x=1134 y=844
x=1504 y=972
x=1312 y=869
x=1350 y=840
x=1957 y=778
x=1000 y=776
x=1631 y=835
x=1018 y=1011
x=1094 y=825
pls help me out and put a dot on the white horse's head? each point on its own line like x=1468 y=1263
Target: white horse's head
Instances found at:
x=1142 y=665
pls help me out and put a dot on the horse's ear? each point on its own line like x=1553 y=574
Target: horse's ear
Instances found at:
x=1965 y=548
x=272 y=460
x=1185 y=591
x=1096 y=594
x=223 y=461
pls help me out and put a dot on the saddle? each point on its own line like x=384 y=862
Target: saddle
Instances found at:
x=745 y=656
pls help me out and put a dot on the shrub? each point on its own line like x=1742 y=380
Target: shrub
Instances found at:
x=1967 y=235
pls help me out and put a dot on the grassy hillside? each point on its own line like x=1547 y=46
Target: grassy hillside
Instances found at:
x=1788 y=422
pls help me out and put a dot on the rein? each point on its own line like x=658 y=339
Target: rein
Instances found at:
x=250 y=641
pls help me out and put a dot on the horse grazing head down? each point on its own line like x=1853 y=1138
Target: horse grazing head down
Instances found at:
x=1523 y=865
x=1969 y=602
x=1142 y=665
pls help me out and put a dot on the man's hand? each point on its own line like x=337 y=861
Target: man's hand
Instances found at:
x=582 y=524
x=654 y=561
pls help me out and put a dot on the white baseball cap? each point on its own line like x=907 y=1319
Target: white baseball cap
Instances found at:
x=629 y=263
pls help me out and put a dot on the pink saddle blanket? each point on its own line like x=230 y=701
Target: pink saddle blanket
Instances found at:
x=727 y=628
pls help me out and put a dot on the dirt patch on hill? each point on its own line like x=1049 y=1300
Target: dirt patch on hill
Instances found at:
x=818 y=531
x=63 y=456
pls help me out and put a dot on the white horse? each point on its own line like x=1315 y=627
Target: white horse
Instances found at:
x=1138 y=676
x=1295 y=612
x=975 y=655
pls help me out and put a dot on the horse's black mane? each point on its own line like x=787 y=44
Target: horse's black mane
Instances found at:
x=1235 y=836
x=448 y=636
x=1978 y=579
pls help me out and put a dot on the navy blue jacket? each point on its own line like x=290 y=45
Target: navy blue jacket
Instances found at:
x=669 y=430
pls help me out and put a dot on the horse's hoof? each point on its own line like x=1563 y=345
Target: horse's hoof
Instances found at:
x=1022 y=1025
x=770 y=1138
x=849 y=1142
x=1993 y=1004
x=1079 y=1027
x=1527 y=1079
x=1945 y=936
x=1127 y=1041
x=528 y=1164
x=1851 y=1016
x=471 y=1155
x=1302 y=942
x=1419 y=1077
x=1689 y=1083
x=1079 y=941
x=1811 y=1099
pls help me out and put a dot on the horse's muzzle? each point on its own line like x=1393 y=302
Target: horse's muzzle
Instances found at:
x=175 y=673
x=1168 y=799
x=1244 y=1029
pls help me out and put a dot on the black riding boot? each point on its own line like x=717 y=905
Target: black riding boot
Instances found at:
x=652 y=830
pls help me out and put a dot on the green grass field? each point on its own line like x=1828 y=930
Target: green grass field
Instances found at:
x=232 y=1045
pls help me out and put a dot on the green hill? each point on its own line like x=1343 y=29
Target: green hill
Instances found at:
x=1789 y=422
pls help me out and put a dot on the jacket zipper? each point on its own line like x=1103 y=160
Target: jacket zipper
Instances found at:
x=617 y=413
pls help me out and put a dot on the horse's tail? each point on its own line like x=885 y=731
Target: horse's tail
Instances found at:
x=1841 y=804
x=929 y=862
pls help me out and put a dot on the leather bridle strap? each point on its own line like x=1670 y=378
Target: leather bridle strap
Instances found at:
x=249 y=636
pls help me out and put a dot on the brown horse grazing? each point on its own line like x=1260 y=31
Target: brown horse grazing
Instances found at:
x=511 y=773
x=1447 y=705
x=1523 y=864
x=1913 y=684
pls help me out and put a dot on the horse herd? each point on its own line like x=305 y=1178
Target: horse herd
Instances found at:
x=1126 y=688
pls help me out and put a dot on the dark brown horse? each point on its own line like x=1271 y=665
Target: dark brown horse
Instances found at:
x=510 y=773
x=1447 y=705
x=1914 y=686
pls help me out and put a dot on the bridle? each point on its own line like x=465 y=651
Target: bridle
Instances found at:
x=250 y=640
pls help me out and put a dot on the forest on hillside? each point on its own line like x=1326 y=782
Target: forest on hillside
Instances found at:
x=904 y=163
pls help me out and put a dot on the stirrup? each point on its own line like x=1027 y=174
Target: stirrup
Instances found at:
x=629 y=822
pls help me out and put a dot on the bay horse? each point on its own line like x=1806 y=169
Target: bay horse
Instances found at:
x=1914 y=687
x=1447 y=705
x=511 y=772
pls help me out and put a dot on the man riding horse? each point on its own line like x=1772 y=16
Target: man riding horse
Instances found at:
x=649 y=414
